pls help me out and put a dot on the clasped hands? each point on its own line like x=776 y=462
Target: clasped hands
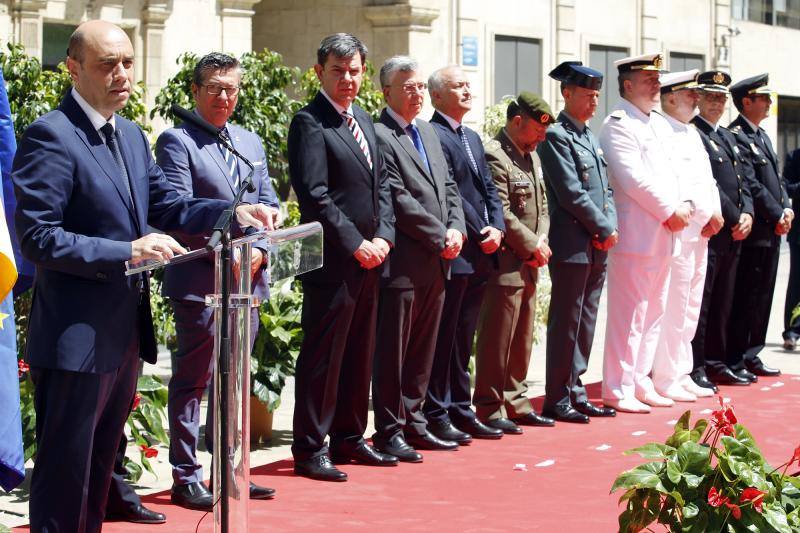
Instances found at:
x=371 y=253
x=608 y=243
x=713 y=226
x=541 y=255
x=785 y=223
x=680 y=217
x=453 y=242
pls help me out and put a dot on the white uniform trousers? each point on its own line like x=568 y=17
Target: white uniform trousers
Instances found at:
x=637 y=298
x=674 y=358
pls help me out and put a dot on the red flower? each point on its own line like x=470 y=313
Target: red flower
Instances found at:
x=724 y=418
x=148 y=452
x=717 y=499
x=735 y=510
x=22 y=368
x=136 y=400
x=796 y=456
x=751 y=494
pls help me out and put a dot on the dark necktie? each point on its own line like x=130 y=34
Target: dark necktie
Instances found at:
x=230 y=159
x=355 y=129
x=413 y=133
x=463 y=135
x=111 y=142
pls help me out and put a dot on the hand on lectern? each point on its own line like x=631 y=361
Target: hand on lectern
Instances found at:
x=257 y=215
x=158 y=246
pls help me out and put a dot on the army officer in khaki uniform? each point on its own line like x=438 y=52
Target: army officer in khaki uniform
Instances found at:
x=505 y=331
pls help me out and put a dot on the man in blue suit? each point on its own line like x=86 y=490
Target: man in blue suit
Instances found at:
x=447 y=403
x=198 y=166
x=87 y=188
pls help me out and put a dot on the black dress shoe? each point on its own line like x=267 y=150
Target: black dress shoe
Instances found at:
x=566 y=413
x=760 y=369
x=398 y=447
x=257 y=492
x=532 y=419
x=195 y=496
x=444 y=430
x=138 y=514
x=703 y=381
x=478 y=429
x=320 y=468
x=429 y=441
x=505 y=425
x=363 y=454
x=727 y=377
x=746 y=374
x=590 y=409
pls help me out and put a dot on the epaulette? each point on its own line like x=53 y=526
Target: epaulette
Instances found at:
x=618 y=114
x=736 y=129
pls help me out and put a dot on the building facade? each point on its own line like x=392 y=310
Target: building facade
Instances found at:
x=504 y=45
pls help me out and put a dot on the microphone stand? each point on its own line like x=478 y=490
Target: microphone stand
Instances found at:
x=222 y=233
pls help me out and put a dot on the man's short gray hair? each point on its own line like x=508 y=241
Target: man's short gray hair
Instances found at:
x=341 y=45
x=436 y=80
x=395 y=64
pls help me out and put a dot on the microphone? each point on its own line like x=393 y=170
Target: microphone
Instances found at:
x=193 y=118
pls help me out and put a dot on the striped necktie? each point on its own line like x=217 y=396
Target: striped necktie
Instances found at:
x=355 y=129
x=463 y=135
x=230 y=159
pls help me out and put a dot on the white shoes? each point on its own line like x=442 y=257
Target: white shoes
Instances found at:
x=654 y=399
x=692 y=387
x=678 y=393
x=627 y=405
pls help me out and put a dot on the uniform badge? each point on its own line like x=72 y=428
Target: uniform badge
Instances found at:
x=718 y=78
x=714 y=145
x=755 y=148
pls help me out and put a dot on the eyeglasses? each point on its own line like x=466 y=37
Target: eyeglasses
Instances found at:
x=216 y=90
x=412 y=88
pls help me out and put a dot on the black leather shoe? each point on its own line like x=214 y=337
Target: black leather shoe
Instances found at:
x=429 y=441
x=478 y=429
x=746 y=374
x=566 y=413
x=444 y=430
x=532 y=419
x=505 y=425
x=195 y=496
x=703 y=381
x=398 y=447
x=257 y=492
x=589 y=409
x=727 y=377
x=363 y=454
x=138 y=514
x=320 y=468
x=760 y=369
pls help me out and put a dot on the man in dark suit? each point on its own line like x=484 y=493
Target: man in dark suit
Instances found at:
x=429 y=231
x=758 y=264
x=198 y=166
x=791 y=179
x=338 y=174
x=447 y=402
x=87 y=189
x=583 y=227
x=508 y=313
x=710 y=342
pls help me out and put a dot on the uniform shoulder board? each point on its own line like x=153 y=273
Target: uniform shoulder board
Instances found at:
x=736 y=129
x=618 y=114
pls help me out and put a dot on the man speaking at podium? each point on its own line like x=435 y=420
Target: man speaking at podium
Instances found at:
x=198 y=166
x=87 y=188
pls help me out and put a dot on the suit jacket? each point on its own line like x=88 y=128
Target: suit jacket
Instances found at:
x=791 y=179
x=478 y=194
x=426 y=204
x=335 y=186
x=580 y=200
x=760 y=164
x=726 y=166
x=195 y=167
x=521 y=190
x=75 y=222
x=646 y=190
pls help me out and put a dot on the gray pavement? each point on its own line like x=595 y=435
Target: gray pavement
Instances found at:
x=14 y=509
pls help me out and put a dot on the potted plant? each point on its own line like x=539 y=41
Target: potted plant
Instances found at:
x=709 y=478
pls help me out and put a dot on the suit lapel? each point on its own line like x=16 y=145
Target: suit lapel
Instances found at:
x=339 y=125
x=405 y=142
x=139 y=188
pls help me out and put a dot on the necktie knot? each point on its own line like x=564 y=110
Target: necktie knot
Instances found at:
x=108 y=131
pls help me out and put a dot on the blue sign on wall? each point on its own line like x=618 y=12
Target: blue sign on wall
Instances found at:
x=469 y=51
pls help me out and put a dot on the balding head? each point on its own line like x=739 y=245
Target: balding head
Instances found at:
x=89 y=32
x=450 y=91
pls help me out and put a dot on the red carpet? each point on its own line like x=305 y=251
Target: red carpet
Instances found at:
x=477 y=487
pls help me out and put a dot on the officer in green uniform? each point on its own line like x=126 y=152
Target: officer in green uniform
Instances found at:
x=505 y=330
x=583 y=227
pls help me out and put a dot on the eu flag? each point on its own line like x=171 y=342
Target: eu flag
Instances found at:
x=12 y=463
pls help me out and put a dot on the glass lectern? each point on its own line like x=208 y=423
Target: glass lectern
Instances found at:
x=291 y=251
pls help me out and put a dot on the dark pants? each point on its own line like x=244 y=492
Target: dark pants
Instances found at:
x=792 y=330
x=408 y=320
x=752 y=302
x=80 y=418
x=448 y=394
x=710 y=342
x=574 y=298
x=192 y=370
x=338 y=321
x=121 y=496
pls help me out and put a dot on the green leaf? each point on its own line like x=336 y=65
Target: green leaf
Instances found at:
x=149 y=384
x=693 y=457
x=673 y=472
x=776 y=517
x=646 y=476
x=690 y=510
x=653 y=450
x=683 y=422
